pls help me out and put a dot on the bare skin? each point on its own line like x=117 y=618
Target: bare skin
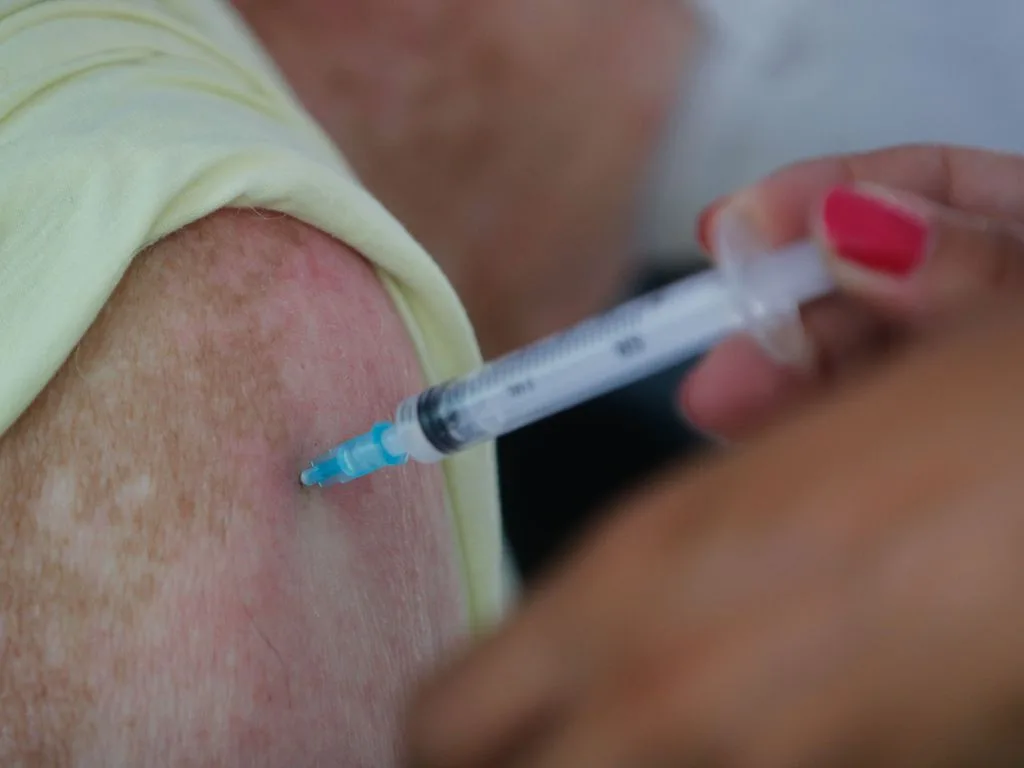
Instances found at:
x=842 y=588
x=823 y=597
x=510 y=137
x=168 y=592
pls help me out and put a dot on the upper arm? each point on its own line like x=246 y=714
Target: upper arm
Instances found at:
x=157 y=554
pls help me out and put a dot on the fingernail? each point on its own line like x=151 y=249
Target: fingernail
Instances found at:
x=705 y=220
x=874 y=233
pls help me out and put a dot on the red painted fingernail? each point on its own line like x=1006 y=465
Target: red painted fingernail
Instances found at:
x=704 y=222
x=874 y=233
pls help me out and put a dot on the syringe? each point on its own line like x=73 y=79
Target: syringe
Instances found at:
x=759 y=294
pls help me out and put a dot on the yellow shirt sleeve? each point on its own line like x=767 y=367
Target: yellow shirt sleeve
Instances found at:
x=121 y=122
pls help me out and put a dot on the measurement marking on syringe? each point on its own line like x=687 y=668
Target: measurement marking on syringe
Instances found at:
x=630 y=346
x=521 y=388
x=632 y=336
x=577 y=341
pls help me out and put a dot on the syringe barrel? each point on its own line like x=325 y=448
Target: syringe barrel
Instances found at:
x=588 y=360
x=761 y=296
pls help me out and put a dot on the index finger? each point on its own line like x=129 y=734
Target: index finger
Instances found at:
x=972 y=180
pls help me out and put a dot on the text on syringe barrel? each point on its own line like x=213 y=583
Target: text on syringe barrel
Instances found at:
x=597 y=356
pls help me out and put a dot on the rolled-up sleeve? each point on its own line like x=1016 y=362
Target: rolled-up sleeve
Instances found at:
x=121 y=122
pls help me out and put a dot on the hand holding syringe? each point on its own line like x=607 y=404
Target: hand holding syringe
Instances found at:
x=760 y=296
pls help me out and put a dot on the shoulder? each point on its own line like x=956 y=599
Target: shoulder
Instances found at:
x=156 y=504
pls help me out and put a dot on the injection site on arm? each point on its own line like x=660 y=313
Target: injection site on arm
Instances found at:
x=752 y=293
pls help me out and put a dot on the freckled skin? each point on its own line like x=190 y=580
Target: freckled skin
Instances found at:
x=169 y=594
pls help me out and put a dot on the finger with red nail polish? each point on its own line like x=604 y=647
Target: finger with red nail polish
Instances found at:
x=902 y=261
x=912 y=258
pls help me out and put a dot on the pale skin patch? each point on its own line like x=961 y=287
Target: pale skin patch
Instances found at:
x=168 y=592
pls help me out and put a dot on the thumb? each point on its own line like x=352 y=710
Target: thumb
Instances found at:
x=914 y=259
